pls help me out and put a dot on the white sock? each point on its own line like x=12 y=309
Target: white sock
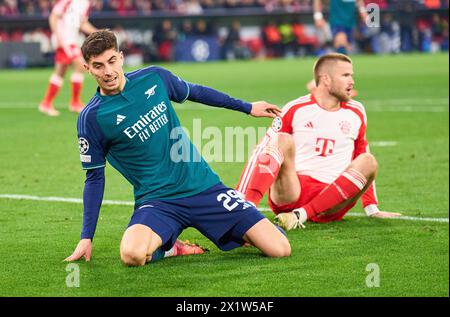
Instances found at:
x=170 y=252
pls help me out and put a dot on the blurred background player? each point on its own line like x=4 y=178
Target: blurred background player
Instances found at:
x=342 y=21
x=66 y=20
x=314 y=160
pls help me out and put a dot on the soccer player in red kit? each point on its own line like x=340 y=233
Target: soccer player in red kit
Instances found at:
x=314 y=160
x=67 y=19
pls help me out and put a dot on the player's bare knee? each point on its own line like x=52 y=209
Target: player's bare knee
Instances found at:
x=371 y=164
x=280 y=249
x=285 y=249
x=133 y=257
x=366 y=164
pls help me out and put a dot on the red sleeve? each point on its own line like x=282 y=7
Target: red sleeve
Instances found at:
x=370 y=196
x=284 y=123
x=286 y=119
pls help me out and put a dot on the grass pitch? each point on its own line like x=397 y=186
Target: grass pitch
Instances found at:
x=406 y=99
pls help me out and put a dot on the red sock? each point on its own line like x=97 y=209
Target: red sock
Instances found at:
x=77 y=85
x=53 y=89
x=260 y=173
x=346 y=186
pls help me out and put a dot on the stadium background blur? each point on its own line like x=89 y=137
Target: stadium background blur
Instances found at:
x=205 y=30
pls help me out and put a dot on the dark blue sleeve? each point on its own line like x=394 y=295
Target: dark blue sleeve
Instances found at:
x=94 y=187
x=212 y=97
x=91 y=140
x=180 y=90
x=177 y=89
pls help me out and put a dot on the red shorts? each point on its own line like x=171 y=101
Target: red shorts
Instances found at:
x=67 y=56
x=310 y=188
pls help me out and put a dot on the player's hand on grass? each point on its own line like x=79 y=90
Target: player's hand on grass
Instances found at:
x=83 y=249
x=385 y=214
x=264 y=109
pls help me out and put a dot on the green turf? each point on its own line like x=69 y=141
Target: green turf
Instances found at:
x=406 y=98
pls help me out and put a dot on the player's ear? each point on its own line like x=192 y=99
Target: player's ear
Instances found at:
x=121 y=56
x=86 y=67
x=326 y=79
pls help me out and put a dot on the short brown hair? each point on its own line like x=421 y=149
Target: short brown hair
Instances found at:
x=325 y=59
x=98 y=42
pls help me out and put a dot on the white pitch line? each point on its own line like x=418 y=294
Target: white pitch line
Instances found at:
x=130 y=203
x=354 y=214
x=63 y=199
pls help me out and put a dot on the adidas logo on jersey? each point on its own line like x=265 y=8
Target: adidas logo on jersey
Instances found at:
x=119 y=119
x=151 y=91
x=309 y=125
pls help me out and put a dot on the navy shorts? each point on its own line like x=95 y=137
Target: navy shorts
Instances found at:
x=219 y=213
x=348 y=31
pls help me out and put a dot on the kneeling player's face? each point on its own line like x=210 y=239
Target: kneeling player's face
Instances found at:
x=342 y=81
x=108 y=72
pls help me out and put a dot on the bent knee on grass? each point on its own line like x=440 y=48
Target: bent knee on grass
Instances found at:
x=267 y=238
x=279 y=249
x=137 y=245
x=133 y=257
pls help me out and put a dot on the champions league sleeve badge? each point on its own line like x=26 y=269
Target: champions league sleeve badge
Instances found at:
x=277 y=124
x=83 y=145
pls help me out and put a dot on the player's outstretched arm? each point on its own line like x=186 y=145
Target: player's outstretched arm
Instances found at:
x=362 y=10
x=319 y=21
x=180 y=90
x=264 y=109
x=374 y=212
x=92 y=201
x=385 y=214
x=83 y=249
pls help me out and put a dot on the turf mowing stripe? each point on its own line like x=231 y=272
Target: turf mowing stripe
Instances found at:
x=382 y=143
x=378 y=105
x=129 y=203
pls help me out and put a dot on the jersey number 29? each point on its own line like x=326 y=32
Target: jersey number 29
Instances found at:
x=228 y=198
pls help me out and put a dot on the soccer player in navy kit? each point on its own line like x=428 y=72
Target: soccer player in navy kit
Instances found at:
x=343 y=20
x=131 y=123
